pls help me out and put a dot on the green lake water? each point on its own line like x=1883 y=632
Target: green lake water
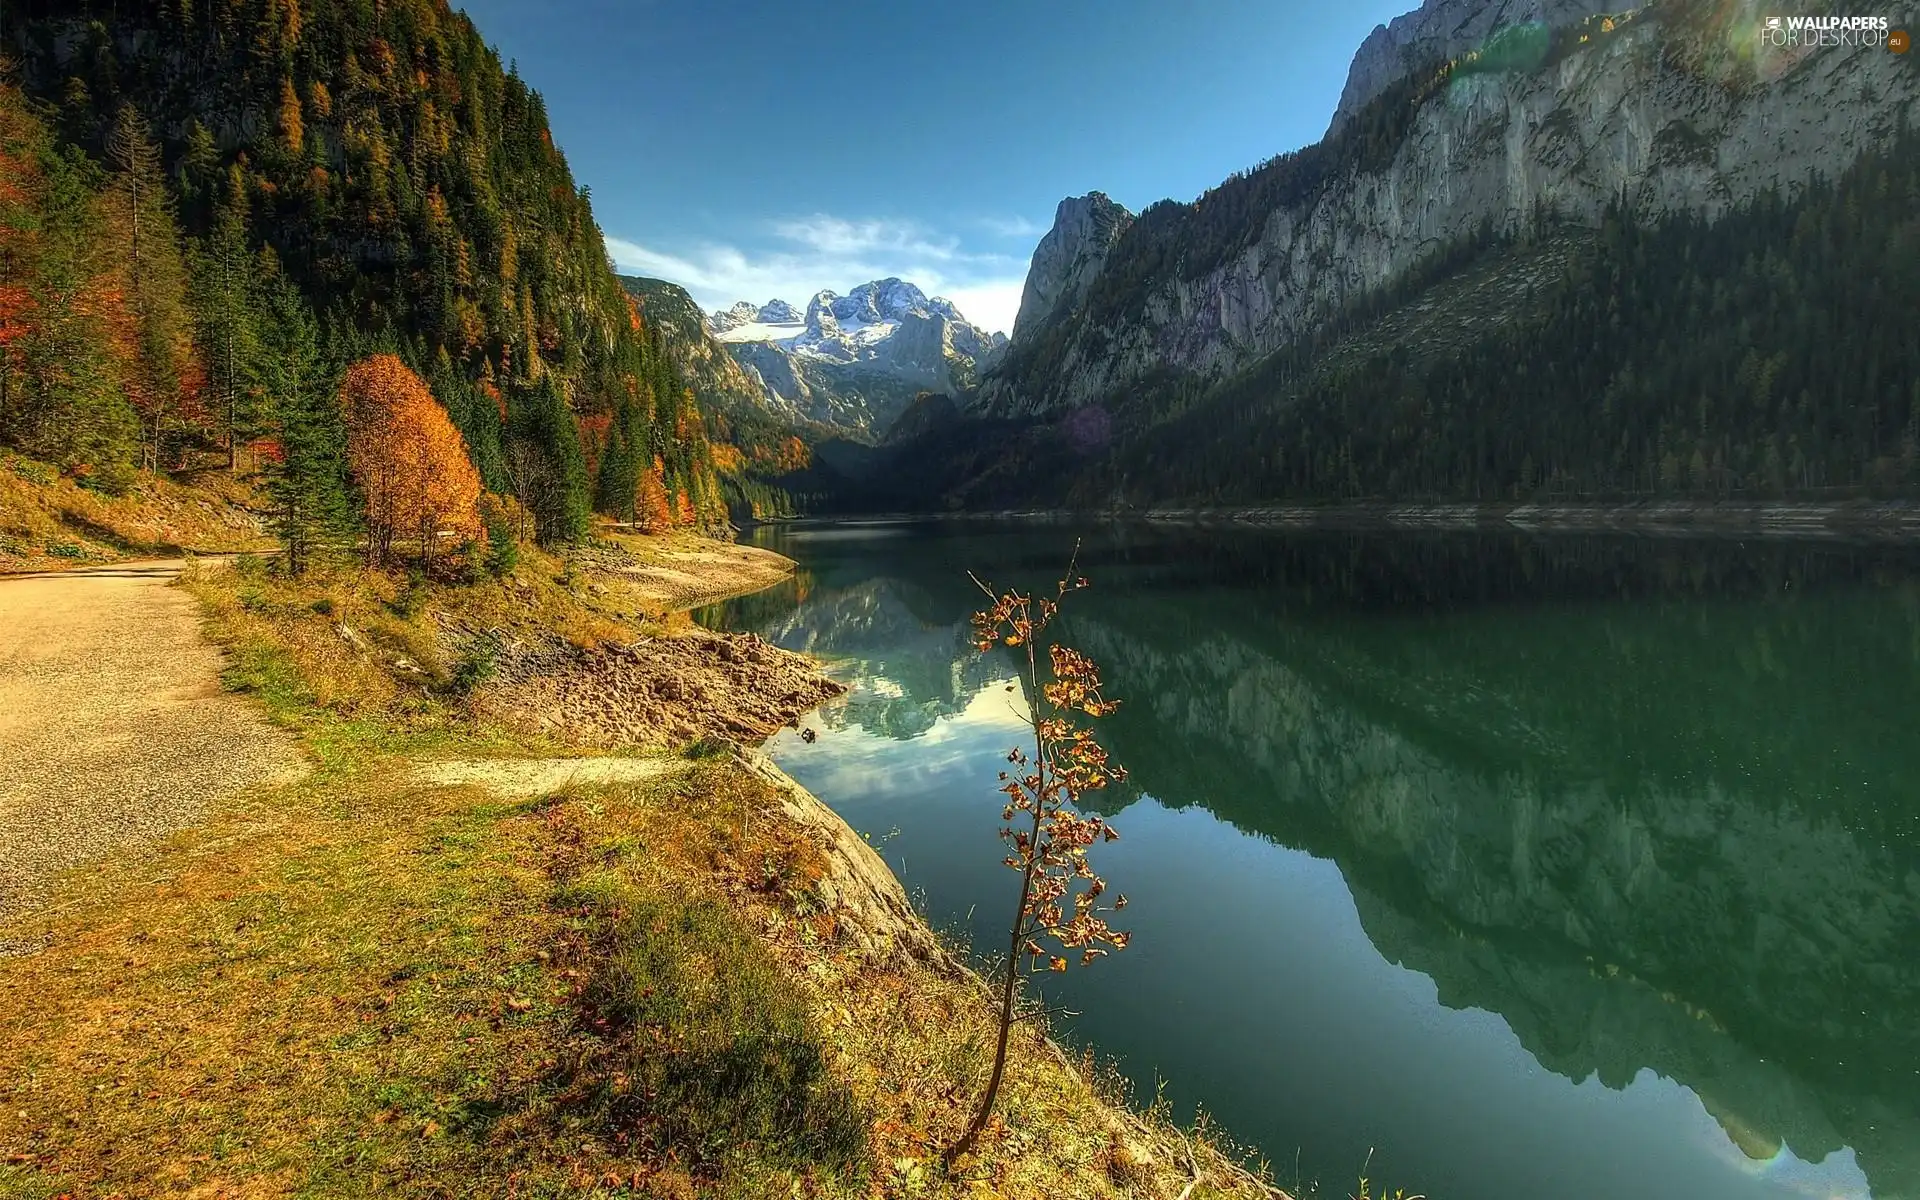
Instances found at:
x=1571 y=867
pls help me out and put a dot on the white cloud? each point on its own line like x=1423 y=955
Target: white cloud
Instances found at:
x=990 y=305
x=823 y=234
x=804 y=255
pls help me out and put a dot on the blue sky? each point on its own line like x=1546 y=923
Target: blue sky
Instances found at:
x=753 y=151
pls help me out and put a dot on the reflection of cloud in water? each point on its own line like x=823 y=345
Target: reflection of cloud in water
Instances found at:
x=843 y=764
x=1588 y=825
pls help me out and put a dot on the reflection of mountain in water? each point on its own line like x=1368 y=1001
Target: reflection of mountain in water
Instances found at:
x=906 y=671
x=1627 y=893
x=1679 y=833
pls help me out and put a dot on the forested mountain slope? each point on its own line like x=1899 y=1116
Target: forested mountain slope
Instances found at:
x=1726 y=226
x=761 y=450
x=380 y=159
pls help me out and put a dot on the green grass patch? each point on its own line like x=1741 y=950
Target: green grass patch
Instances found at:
x=716 y=1060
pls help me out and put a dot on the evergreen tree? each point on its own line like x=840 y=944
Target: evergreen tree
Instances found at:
x=308 y=479
x=622 y=462
x=65 y=403
x=544 y=460
x=475 y=414
x=227 y=305
x=154 y=339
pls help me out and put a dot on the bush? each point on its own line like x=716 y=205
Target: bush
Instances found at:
x=111 y=479
x=502 y=558
x=32 y=471
x=467 y=567
x=250 y=566
x=721 y=1057
x=505 y=521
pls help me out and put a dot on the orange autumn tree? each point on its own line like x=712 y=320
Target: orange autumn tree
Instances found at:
x=408 y=458
x=653 y=504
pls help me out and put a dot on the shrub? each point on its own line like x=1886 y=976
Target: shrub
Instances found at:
x=475 y=667
x=503 y=542
x=110 y=479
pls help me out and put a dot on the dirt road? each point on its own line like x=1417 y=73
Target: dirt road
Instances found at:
x=113 y=727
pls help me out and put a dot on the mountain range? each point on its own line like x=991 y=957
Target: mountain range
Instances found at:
x=854 y=362
x=1542 y=251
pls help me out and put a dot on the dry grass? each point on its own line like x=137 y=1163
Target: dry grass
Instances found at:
x=372 y=984
x=48 y=521
x=387 y=654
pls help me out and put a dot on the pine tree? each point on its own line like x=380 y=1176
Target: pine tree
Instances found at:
x=548 y=470
x=65 y=406
x=307 y=478
x=154 y=340
x=475 y=414
x=621 y=463
x=226 y=300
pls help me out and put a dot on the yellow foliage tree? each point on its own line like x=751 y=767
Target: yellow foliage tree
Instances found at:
x=653 y=507
x=408 y=458
x=293 y=127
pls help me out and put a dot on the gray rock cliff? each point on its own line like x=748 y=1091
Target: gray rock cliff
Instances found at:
x=1440 y=30
x=1655 y=111
x=1068 y=257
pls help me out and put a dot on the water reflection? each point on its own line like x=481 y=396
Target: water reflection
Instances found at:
x=1651 y=803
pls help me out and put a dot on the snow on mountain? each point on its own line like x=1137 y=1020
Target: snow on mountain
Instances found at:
x=859 y=358
x=733 y=318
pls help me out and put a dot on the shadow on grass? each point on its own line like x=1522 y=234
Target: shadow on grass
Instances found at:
x=710 y=1055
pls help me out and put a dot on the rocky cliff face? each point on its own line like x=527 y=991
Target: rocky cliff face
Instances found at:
x=1440 y=30
x=717 y=379
x=1069 y=257
x=1674 y=109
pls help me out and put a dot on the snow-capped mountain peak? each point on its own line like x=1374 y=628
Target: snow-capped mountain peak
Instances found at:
x=740 y=314
x=883 y=337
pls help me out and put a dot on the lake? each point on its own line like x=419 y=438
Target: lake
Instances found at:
x=1496 y=866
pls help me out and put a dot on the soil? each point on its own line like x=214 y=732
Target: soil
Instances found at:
x=113 y=727
x=657 y=692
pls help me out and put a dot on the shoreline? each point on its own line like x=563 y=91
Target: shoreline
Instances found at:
x=883 y=921
x=1869 y=520
x=441 y=903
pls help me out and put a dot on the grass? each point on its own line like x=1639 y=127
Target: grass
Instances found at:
x=49 y=521
x=362 y=985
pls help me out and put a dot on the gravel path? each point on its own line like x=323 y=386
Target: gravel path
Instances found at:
x=113 y=727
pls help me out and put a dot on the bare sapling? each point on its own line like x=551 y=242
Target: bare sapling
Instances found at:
x=1059 y=916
